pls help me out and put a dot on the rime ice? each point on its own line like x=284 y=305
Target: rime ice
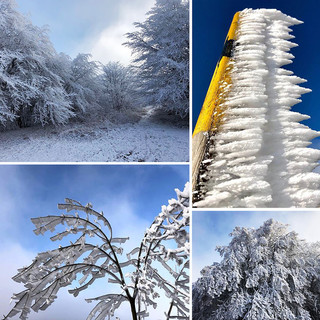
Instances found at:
x=265 y=273
x=260 y=152
x=160 y=263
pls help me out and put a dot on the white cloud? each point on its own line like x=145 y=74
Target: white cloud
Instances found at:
x=12 y=256
x=107 y=44
x=305 y=223
x=89 y=26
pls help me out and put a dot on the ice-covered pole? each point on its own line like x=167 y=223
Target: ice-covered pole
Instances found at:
x=257 y=155
x=210 y=115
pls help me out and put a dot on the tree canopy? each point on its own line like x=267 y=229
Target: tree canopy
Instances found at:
x=38 y=85
x=265 y=273
x=161 y=55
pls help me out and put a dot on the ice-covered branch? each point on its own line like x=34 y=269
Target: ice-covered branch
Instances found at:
x=166 y=239
x=259 y=138
x=166 y=242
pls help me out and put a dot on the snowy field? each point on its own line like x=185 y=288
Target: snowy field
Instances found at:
x=102 y=141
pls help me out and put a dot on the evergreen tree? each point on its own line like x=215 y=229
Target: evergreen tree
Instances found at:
x=265 y=273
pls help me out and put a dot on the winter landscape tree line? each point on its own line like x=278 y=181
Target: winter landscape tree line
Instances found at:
x=40 y=86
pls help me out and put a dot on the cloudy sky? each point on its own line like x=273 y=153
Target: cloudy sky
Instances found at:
x=130 y=196
x=211 y=229
x=88 y=26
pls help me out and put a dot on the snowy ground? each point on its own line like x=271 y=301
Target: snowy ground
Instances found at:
x=148 y=140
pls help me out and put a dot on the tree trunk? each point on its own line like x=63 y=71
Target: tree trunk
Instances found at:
x=133 y=309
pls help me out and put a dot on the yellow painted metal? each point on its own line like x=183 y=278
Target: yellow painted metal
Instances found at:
x=210 y=112
x=211 y=115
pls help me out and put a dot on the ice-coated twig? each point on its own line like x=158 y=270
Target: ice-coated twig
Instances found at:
x=166 y=242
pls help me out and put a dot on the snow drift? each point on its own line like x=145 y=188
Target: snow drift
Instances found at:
x=259 y=157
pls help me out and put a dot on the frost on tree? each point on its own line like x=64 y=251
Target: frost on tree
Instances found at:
x=161 y=55
x=80 y=78
x=37 y=85
x=30 y=92
x=97 y=254
x=118 y=86
x=259 y=155
x=266 y=273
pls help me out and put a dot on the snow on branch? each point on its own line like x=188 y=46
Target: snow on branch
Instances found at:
x=160 y=47
x=265 y=273
x=170 y=224
x=95 y=254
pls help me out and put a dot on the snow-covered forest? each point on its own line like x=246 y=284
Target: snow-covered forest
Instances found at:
x=157 y=267
x=265 y=273
x=40 y=87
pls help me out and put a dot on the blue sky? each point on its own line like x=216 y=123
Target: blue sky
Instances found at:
x=211 y=229
x=130 y=196
x=211 y=22
x=88 y=26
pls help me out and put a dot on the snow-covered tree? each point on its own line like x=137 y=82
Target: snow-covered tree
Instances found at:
x=161 y=48
x=265 y=273
x=118 y=85
x=81 y=81
x=30 y=91
x=97 y=254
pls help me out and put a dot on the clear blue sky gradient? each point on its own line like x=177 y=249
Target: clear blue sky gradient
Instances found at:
x=211 y=22
x=38 y=189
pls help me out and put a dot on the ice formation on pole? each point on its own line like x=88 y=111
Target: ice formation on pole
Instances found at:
x=259 y=156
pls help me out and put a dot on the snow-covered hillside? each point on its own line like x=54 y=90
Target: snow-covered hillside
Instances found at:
x=259 y=156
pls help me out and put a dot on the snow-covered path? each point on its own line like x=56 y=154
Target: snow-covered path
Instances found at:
x=145 y=141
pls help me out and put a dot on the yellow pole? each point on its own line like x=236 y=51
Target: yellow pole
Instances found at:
x=210 y=111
